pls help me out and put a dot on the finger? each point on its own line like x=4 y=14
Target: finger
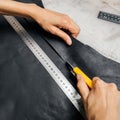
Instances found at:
x=112 y=86
x=97 y=82
x=72 y=28
x=82 y=87
x=99 y=85
x=58 y=32
x=68 y=24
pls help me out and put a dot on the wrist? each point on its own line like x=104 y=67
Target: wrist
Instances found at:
x=33 y=11
x=29 y=10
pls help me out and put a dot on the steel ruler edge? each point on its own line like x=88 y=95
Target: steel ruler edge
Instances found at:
x=52 y=69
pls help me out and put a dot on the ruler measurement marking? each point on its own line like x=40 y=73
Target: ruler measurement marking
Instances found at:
x=52 y=69
x=109 y=17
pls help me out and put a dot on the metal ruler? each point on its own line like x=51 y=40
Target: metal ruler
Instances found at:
x=109 y=17
x=52 y=69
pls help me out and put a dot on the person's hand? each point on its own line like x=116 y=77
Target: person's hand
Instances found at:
x=51 y=21
x=55 y=23
x=102 y=102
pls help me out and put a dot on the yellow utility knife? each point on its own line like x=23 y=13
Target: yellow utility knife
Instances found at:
x=77 y=70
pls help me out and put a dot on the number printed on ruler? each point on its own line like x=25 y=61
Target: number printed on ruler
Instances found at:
x=52 y=69
x=109 y=17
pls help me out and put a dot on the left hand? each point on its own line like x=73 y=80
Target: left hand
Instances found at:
x=54 y=22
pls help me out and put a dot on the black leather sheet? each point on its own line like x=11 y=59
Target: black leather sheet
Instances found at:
x=27 y=91
x=88 y=59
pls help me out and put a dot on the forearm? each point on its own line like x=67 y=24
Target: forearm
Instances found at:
x=14 y=8
x=50 y=21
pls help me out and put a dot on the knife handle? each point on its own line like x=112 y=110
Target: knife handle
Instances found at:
x=88 y=81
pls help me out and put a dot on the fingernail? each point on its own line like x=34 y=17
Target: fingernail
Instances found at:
x=69 y=41
x=75 y=36
x=79 y=77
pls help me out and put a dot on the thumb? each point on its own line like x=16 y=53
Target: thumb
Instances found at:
x=82 y=87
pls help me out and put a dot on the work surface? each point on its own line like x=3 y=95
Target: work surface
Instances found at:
x=101 y=35
x=27 y=91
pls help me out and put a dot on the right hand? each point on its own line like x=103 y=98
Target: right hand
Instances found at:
x=102 y=102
